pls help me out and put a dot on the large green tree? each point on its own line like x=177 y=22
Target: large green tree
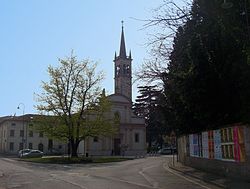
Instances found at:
x=150 y=104
x=207 y=72
x=72 y=104
x=207 y=81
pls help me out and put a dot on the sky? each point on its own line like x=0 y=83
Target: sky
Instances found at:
x=35 y=33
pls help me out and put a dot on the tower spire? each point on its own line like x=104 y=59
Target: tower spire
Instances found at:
x=123 y=71
x=122 y=45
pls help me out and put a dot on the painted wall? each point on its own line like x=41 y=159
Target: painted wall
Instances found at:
x=225 y=151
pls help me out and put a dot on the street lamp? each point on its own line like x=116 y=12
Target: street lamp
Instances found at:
x=23 y=140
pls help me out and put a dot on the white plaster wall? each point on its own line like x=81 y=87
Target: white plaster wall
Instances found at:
x=35 y=140
x=102 y=147
x=141 y=144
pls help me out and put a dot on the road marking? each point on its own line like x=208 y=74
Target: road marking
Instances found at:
x=79 y=174
x=102 y=167
x=50 y=179
x=149 y=180
x=188 y=179
x=18 y=184
x=149 y=167
x=67 y=181
x=55 y=176
x=128 y=182
x=14 y=185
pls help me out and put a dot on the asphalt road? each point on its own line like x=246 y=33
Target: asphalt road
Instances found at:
x=150 y=172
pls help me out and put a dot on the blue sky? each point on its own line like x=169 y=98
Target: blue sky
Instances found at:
x=35 y=33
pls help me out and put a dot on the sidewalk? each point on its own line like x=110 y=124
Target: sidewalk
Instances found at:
x=214 y=180
x=3 y=155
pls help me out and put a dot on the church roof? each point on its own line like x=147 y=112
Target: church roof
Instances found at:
x=26 y=117
x=122 y=46
x=119 y=98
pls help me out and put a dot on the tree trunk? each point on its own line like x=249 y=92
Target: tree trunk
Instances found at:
x=69 y=147
x=74 y=147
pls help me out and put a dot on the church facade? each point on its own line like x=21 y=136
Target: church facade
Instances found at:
x=131 y=136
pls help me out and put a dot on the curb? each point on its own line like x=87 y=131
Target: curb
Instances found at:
x=196 y=177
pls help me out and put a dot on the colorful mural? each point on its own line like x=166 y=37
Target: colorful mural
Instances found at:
x=205 y=153
x=225 y=144
x=217 y=144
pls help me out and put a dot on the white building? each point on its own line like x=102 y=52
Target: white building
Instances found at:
x=131 y=138
x=16 y=133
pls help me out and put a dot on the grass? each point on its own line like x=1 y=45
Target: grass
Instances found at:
x=109 y=159
x=81 y=160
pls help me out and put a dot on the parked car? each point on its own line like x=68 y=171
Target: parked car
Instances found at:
x=167 y=150
x=21 y=152
x=32 y=153
x=174 y=150
x=54 y=152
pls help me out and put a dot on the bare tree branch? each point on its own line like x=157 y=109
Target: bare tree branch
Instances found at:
x=167 y=18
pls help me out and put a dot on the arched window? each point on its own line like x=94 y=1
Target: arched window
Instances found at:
x=117 y=116
x=117 y=70
x=128 y=69
x=40 y=147
x=124 y=69
x=50 y=144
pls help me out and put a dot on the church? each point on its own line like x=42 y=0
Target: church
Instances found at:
x=130 y=140
x=131 y=137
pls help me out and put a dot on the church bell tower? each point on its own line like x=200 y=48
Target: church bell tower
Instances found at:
x=123 y=78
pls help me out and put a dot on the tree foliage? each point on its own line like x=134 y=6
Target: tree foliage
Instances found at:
x=206 y=80
x=150 y=104
x=72 y=103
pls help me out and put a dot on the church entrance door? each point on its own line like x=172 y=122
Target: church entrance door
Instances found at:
x=117 y=147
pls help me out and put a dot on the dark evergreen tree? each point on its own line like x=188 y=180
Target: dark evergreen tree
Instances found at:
x=150 y=105
x=207 y=82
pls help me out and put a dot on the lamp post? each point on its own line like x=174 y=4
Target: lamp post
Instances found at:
x=23 y=140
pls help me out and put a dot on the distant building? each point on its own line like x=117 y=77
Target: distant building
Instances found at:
x=131 y=138
x=16 y=134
